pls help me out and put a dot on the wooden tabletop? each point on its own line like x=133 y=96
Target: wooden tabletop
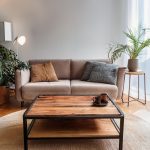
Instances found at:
x=135 y=73
x=69 y=106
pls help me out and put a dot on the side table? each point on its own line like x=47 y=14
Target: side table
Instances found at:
x=138 y=74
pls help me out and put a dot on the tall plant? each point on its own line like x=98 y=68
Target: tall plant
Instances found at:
x=133 y=49
x=8 y=64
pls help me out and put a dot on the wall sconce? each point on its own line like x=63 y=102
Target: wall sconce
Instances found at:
x=21 y=40
x=5 y=31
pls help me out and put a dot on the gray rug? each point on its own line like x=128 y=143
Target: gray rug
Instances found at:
x=11 y=137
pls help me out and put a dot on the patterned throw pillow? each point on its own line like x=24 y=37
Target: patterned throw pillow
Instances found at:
x=43 y=72
x=104 y=73
x=88 y=68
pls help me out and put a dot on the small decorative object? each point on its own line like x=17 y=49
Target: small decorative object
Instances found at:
x=101 y=100
x=133 y=49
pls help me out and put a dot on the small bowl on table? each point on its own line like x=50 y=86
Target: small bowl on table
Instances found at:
x=101 y=100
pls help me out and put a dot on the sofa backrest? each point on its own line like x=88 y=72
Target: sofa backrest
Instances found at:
x=61 y=66
x=77 y=67
x=66 y=68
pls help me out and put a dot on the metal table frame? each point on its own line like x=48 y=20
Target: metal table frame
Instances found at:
x=120 y=128
x=133 y=98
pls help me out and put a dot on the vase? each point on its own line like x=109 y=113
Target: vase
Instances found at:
x=133 y=65
x=4 y=95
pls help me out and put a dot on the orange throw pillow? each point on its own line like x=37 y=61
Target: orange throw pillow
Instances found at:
x=43 y=72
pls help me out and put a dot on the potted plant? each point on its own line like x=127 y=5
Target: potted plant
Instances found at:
x=8 y=64
x=133 y=49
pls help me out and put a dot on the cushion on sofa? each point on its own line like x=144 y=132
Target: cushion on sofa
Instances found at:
x=79 y=87
x=61 y=66
x=31 y=90
x=88 y=69
x=43 y=72
x=104 y=73
x=77 y=67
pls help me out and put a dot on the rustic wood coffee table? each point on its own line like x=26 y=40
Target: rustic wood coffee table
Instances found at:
x=57 y=117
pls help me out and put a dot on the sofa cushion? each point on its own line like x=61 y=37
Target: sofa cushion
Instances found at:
x=77 y=67
x=31 y=90
x=104 y=73
x=88 y=69
x=61 y=66
x=89 y=88
x=43 y=72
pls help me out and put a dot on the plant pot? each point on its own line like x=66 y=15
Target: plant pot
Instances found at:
x=4 y=95
x=133 y=65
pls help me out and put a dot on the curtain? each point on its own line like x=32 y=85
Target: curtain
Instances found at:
x=145 y=56
x=138 y=17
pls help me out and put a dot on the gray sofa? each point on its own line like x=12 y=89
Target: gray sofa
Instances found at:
x=69 y=73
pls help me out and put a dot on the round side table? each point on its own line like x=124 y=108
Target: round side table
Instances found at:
x=138 y=74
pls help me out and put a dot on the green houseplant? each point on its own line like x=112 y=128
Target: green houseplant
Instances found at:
x=133 y=49
x=8 y=64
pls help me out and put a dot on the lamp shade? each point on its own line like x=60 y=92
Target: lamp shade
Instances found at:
x=5 y=31
x=21 y=40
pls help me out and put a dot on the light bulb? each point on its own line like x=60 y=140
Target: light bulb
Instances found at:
x=21 y=40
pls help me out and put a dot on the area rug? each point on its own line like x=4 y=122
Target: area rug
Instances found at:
x=11 y=137
x=143 y=114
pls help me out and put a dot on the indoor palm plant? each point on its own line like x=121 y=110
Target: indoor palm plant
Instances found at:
x=133 y=49
x=8 y=64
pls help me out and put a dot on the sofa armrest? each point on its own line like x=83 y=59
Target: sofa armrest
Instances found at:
x=21 y=78
x=120 y=80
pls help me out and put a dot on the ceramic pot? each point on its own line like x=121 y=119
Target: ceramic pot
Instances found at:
x=4 y=95
x=133 y=65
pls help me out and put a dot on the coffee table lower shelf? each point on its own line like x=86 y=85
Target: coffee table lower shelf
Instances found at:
x=76 y=128
x=68 y=117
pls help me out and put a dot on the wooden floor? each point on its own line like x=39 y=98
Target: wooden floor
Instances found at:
x=11 y=106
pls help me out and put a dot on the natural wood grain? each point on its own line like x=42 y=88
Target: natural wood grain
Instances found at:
x=8 y=108
x=69 y=106
x=73 y=128
x=135 y=73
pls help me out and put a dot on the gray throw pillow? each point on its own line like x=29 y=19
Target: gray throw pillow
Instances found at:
x=88 y=68
x=104 y=73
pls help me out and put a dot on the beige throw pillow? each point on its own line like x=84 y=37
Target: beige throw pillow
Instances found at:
x=43 y=72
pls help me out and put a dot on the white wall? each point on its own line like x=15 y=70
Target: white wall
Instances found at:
x=65 y=28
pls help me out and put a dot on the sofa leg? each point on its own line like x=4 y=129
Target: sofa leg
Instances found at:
x=22 y=104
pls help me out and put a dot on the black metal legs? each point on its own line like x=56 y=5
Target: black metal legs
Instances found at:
x=121 y=133
x=25 y=132
x=28 y=127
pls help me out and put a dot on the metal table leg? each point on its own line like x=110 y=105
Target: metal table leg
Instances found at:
x=25 y=133
x=129 y=90
x=123 y=89
x=121 y=133
x=138 y=87
x=145 y=88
